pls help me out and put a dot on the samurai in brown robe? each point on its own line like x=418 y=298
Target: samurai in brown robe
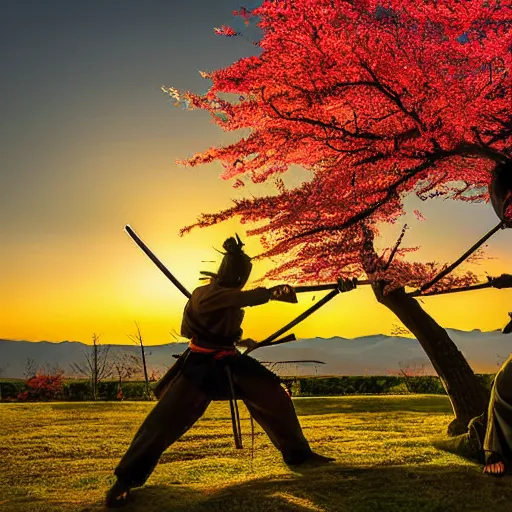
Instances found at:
x=489 y=437
x=212 y=321
x=498 y=435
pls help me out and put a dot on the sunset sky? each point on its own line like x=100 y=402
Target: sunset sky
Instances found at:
x=88 y=144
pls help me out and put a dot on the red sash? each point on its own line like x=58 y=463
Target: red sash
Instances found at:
x=218 y=353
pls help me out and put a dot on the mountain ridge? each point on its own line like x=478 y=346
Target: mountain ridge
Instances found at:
x=373 y=354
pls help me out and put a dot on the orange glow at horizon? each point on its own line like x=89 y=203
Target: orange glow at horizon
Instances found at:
x=111 y=284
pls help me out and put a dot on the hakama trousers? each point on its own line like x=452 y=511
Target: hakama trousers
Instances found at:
x=498 y=437
x=198 y=380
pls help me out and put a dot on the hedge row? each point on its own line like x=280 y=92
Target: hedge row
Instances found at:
x=370 y=385
x=78 y=390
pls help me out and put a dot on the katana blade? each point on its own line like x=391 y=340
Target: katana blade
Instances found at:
x=268 y=341
x=285 y=339
x=156 y=261
x=322 y=287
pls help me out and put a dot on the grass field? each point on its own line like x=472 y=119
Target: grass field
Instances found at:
x=60 y=457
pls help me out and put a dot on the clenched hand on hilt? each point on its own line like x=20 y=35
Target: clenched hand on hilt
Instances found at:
x=503 y=281
x=247 y=343
x=283 y=293
x=346 y=284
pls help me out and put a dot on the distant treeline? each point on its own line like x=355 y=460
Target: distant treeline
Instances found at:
x=81 y=390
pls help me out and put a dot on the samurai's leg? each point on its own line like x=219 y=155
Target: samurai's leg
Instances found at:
x=503 y=381
x=272 y=408
x=177 y=410
x=498 y=438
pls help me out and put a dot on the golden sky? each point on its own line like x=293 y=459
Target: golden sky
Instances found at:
x=98 y=280
x=88 y=145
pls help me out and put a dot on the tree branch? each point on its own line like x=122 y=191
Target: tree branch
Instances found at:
x=391 y=191
x=395 y=249
x=322 y=124
x=464 y=149
x=393 y=96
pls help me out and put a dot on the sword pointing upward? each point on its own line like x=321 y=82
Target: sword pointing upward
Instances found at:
x=156 y=261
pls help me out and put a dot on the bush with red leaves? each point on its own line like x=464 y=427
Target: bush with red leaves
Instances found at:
x=43 y=387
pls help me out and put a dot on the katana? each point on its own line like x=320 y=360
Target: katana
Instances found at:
x=270 y=340
x=322 y=287
x=156 y=261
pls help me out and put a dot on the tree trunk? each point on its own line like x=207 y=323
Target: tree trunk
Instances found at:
x=145 y=369
x=468 y=396
x=95 y=369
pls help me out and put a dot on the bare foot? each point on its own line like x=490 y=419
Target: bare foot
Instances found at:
x=496 y=469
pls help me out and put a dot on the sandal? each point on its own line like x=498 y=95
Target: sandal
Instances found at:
x=117 y=496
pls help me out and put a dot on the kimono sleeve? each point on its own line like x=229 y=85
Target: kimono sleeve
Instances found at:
x=224 y=298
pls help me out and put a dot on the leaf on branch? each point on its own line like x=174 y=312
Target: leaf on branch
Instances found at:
x=225 y=31
x=419 y=215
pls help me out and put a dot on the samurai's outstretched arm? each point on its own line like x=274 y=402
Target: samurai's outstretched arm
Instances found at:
x=218 y=297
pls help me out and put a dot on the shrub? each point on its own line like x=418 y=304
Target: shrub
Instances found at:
x=425 y=385
x=77 y=390
x=43 y=387
x=40 y=387
x=347 y=385
x=108 y=389
x=9 y=390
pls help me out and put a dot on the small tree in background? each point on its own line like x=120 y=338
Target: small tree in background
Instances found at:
x=95 y=365
x=125 y=366
x=30 y=368
x=138 y=340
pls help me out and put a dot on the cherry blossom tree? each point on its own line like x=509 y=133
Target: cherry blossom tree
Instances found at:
x=377 y=100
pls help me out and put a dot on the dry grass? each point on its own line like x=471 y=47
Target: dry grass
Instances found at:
x=60 y=457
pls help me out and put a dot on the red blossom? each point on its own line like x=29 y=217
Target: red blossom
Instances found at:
x=377 y=101
x=244 y=13
x=225 y=31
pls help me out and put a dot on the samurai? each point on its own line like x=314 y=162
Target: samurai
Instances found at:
x=206 y=371
x=489 y=437
x=498 y=435
x=497 y=445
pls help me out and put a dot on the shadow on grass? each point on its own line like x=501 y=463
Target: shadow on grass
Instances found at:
x=376 y=403
x=338 y=488
x=304 y=405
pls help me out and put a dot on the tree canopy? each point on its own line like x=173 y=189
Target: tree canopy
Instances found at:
x=378 y=100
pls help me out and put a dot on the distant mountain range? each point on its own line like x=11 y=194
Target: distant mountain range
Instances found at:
x=368 y=355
